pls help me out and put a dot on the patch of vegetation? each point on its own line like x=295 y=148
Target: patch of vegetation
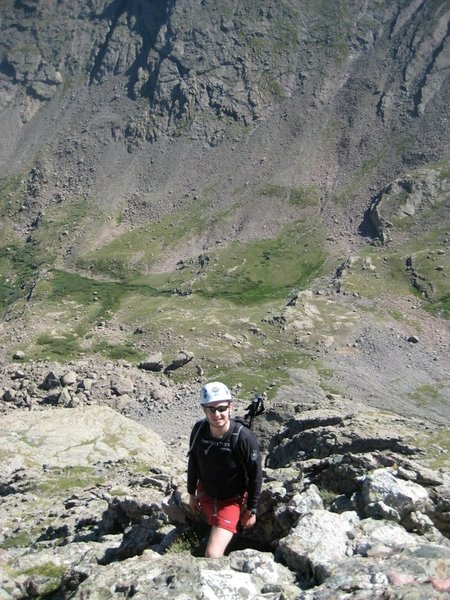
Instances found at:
x=57 y=347
x=432 y=268
x=19 y=268
x=21 y=263
x=190 y=540
x=307 y=196
x=119 y=491
x=436 y=445
x=425 y=394
x=49 y=571
x=59 y=223
x=257 y=271
x=112 y=440
x=254 y=276
x=135 y=251
x=441 y=307
x=327 y=496
x=125 y=351
x=331 y=27
x=378 y=271
x=10 y=191
x=255 y=373
x=18 y=540
x=65 y=479
x=103 y=297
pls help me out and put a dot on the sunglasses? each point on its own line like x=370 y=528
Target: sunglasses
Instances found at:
x=213 y=409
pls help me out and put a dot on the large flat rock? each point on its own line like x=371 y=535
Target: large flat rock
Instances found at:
x=75 y=436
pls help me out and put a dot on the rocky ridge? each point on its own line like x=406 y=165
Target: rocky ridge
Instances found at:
x=354 y=505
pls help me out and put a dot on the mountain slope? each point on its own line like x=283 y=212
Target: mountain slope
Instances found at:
x=187 y=170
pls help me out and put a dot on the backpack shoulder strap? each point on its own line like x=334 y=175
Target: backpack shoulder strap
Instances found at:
x=198 y=427
x=238 y=426
x=235 y=435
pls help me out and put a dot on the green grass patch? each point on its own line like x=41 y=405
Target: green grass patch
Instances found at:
x=190 y=540
x=18 y=540
x=307 y=196
x=57 y=347
x=331 y=27
x=62 y=480
x=47 y=569
x=10 y=195
x=378 y=271
x=227 y=288
x=103 y=297
x=22 y=262
x=265 y=269
x=58 y=226
x=19 y=268
x=440 y=308
x=50 y=572
x=432 y=269
x=135 y=252
x=425 y=394
x=125 y=351
x=119 y=491
x=436 y=446
x=218 y=332
x=255 y=372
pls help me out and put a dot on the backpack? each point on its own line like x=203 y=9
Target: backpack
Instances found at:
x=255 y=408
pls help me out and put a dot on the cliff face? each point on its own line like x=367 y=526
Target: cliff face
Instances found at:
x=353 y=84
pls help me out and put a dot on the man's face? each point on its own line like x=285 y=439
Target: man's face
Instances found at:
x=218 y=413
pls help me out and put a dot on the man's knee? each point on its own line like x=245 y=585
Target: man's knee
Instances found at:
x=218 y=542
x=213 y=553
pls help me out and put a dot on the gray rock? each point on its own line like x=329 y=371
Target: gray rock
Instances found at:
x=153 y=362
x=50 y=382
x=181 y=359
x=386 y=496
x=319 y=539
x=9 y=395
x=69 y=378
x=86 y=384
x=122 y=385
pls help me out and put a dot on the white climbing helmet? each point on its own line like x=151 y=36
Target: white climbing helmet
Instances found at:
x=214 y=392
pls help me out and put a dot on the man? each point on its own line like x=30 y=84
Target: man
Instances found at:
x=224 y=469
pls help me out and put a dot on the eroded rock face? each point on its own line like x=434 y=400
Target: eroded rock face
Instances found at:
x=407 y=198
x=196 y=67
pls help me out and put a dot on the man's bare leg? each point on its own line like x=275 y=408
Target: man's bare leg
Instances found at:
x=218 y=542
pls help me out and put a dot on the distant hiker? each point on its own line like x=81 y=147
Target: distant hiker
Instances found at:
x=224 y=469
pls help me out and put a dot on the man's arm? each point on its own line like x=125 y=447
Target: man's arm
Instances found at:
x=253 y=469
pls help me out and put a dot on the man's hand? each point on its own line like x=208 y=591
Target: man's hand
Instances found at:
x=194 y=503
x=248 y=519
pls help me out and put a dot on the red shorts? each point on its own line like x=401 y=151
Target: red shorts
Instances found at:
x=222 y=513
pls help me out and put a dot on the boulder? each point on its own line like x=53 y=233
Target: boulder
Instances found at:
x=319 y=539
x=121 y=385
x=182 y=358
x=50 y=382
x=386 y=496
x=153 y=362
x=78 y=436
x=69 y=378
